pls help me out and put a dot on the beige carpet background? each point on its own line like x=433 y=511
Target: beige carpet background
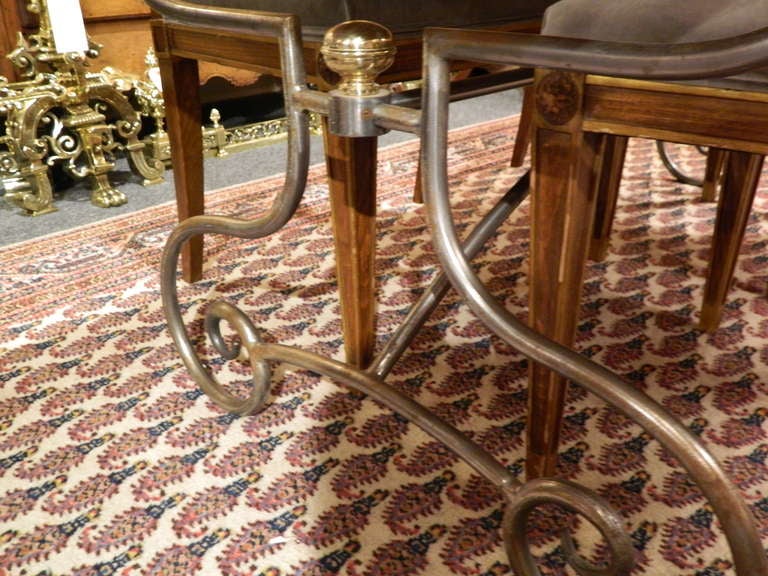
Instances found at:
x=112 y=462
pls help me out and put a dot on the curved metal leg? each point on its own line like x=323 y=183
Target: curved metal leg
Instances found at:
x=283 y=207
x=674 y=169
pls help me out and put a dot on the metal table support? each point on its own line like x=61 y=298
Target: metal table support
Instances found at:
x=361 y=108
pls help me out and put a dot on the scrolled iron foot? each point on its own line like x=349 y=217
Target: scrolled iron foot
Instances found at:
x=522 y=499
x=574 y=498
x=283 y=207
x=246 y=331
x=219 y=310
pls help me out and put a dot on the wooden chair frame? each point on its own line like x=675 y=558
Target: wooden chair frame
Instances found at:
x=351 y=162
x=570 y=158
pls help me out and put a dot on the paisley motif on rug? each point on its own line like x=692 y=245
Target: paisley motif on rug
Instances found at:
x=113 y=462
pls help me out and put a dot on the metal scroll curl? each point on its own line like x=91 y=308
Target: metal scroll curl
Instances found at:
x=522 y=499
x=282 y=209
x=286 y=31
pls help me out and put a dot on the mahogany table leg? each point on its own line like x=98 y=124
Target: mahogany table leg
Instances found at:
x=613 y=153
x=741 y=178
x=523 y=136
x=351 y=165
x=715 y=163
x=564 y=166
x=181 y=87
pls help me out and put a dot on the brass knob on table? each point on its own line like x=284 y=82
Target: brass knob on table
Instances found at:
x=358 y=51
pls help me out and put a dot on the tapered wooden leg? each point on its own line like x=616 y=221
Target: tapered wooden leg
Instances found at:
x=523 y=136
x=715 y=163
x=613 y=152
x=10 y=25
x=562 y=208
x=418 y=193
x=741 y=178
x=351 y=164
x=181 y=85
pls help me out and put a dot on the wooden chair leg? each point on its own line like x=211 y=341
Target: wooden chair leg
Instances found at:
x=418 y=193
x=716 y=158
x=523 y=137
x=562 y=208
x=613 y=152
x=522 y=141
x=351 y=165
x=741 y=178
x=181 y=93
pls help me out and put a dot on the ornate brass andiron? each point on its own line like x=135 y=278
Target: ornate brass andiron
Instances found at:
x=218 y=141
x=60 y=113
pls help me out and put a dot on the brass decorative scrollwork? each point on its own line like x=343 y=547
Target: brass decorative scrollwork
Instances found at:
x=63 y=114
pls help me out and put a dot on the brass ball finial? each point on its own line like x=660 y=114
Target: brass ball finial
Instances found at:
x=358 y=51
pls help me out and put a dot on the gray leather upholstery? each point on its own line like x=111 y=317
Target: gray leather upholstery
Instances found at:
x=665 y=21
x=402 y=17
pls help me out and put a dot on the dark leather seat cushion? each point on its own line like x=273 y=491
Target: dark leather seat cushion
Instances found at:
x=402 y=17
x=665 y=21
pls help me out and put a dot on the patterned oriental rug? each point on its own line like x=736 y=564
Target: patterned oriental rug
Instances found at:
x=112 y=462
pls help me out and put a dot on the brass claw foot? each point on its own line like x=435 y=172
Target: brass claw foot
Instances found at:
x=107 y=196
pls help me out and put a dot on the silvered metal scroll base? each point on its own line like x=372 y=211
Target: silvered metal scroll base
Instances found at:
x=521 y=499
x=361 y=111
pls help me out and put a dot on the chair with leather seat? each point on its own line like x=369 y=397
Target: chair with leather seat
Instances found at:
x=663 y=22
x=350 y=161
x=581 y=126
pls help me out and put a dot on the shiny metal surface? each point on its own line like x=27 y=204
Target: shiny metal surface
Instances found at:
x=434 y=293
x=674 y=169
x=354 y=116
x=243 y=21
x=715 y=58
x=712 y=59
x=574 y=498
x=284 y=205
x=358 y=51
x=67 y=115
x=399 y=115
